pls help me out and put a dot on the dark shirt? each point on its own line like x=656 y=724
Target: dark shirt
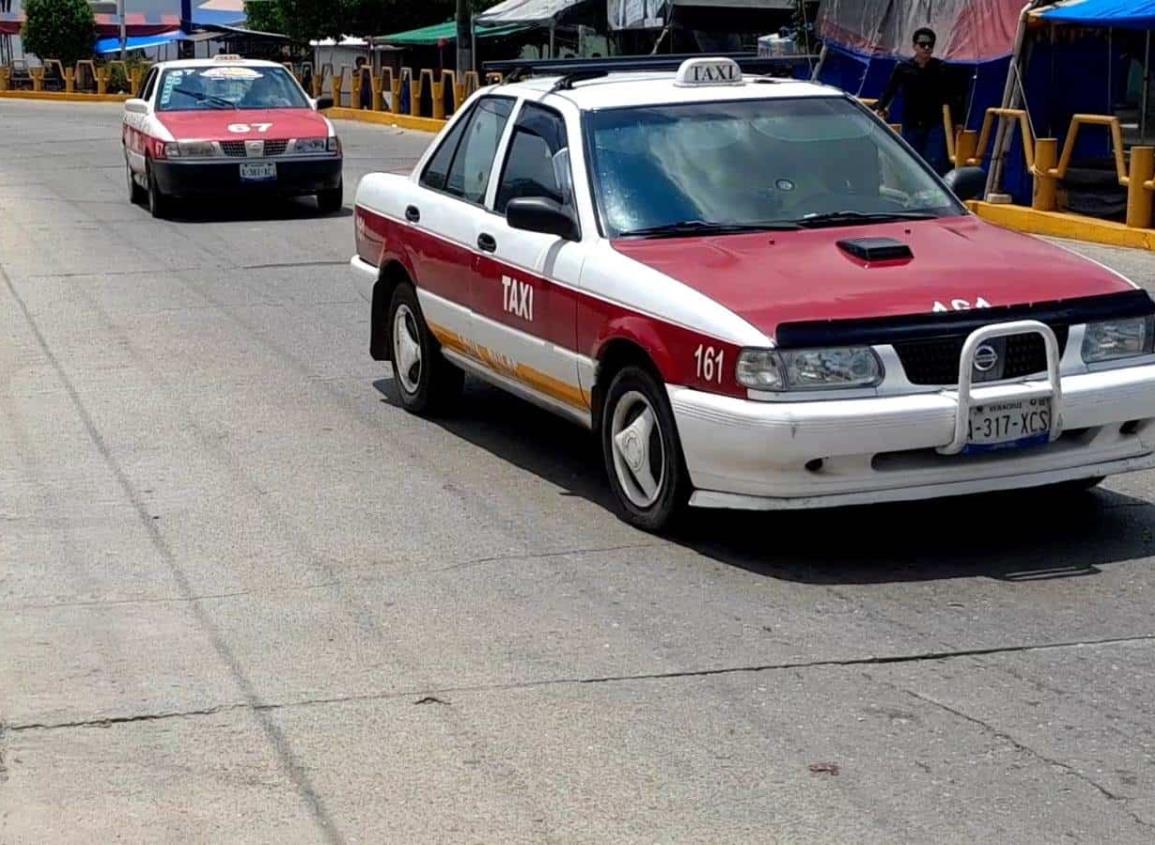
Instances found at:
x=924 y=90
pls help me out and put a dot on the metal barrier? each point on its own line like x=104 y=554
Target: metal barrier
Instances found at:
x=1004 y=115
x=85 y=73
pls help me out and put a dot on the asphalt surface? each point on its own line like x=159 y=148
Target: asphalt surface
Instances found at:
x=245 y=598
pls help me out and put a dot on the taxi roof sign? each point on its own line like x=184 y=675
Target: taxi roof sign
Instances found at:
x=227 y=57
x=708 y=70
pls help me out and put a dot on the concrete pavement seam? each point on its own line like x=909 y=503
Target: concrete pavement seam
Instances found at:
x=608 y=679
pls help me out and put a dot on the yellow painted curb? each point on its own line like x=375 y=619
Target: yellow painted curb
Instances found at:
x=385 y=118
x=1056 y=224
x=61 y=97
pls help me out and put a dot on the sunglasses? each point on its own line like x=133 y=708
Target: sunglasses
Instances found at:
x=929 y=45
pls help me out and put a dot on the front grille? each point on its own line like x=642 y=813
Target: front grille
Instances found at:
x=236 y=149
x=935 y=361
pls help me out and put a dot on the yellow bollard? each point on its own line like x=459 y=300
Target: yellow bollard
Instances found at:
x=1045 y=194
x=1138 y=197
x=966 y=146
x=355 y=94
x=135 y=77
x=335 y=86
x=5 y=78
x=37 y=74
x=103 y=75
x=438 y=100
x=70 y=81
x=378 y=94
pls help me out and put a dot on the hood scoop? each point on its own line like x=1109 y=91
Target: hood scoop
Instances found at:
x=876 y=249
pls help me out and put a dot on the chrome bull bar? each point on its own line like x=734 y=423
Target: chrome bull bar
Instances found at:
x=1033 y=389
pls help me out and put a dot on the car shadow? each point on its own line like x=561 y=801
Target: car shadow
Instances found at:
x=1027 y=535
x=250 y=210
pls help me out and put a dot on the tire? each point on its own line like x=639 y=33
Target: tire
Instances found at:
x=426 y=382
x=136 y=194
x=329 y=202
x=159 y=204
x=649 y=497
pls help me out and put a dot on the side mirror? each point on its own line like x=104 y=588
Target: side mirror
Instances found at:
x=136 y=106
x=538 y=214
x=967 y=183
x=324 y=103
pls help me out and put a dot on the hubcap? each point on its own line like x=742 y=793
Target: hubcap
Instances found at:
x=638 y=452
x=406 y=349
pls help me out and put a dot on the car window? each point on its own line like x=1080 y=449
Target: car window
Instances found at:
x=537 y=164
x=752 y=161
x=469 y=173
x=229 y=87
x=437 y=169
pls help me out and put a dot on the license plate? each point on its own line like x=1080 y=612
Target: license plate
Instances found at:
x=1002 y=425
x=259 y=170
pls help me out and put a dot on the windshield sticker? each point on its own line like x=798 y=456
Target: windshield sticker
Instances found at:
x=230 y=73
x=171 y=80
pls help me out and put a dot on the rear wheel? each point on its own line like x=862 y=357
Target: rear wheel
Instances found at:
x=642 y=454
x=329 y=202
x=426 y=382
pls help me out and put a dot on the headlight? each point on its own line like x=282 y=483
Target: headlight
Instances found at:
x=334 y=144
x=312 y=145
x=808 y=369
x=1110 y=339
x=190 y=149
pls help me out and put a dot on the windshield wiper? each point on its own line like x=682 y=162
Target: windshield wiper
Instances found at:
x=705 y=227
x=836 y=218
x=220 y=102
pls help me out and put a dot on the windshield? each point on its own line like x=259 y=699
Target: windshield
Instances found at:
x=229 y=87
x=753 y=163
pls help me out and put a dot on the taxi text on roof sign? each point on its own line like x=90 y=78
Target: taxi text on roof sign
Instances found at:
x=709 y=71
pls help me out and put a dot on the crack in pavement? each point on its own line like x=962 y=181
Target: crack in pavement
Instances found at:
x=540 y=555
x=1026 y=749
x=886 y=660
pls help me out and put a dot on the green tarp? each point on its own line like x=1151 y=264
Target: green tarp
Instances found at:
x=431 y=36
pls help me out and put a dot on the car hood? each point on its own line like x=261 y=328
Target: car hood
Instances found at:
x=244 y=124
x=956 y=263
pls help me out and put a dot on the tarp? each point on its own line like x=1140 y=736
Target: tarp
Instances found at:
x=1117 y=14
x=112 y=45
x=652 y=14
x=431 y=36
x=151 y=17
x=530 y=12
x=968 y=30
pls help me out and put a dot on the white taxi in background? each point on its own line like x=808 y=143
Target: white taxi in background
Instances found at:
x=228 y=126
x=754 y=292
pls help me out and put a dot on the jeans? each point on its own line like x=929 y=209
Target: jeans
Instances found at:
x=930 y=143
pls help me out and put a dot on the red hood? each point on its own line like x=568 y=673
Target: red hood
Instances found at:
x=783 y=277
x=213 y=124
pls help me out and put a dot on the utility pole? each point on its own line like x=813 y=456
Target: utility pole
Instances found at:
x=123 y=29
x=464 y=38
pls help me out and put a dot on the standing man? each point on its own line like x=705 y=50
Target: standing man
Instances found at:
x=925 y=83
x=365 y=72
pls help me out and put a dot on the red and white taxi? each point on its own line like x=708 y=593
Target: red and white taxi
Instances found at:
x=228 y=125
x=754 y=291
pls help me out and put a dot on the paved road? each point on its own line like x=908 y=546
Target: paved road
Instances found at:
x=245 y=598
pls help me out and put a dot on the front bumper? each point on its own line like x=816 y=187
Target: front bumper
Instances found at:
x=747 y=454
x=296 y=176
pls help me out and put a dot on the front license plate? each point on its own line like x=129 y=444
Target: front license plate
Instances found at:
x=1002 y=425
x=259 y=170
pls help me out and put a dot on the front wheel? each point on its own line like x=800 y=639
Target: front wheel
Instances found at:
x=426 y=382
x=642 y=454
x=329 y=202
x=159 y=203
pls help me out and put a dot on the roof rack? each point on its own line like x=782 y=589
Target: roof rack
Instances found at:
x=752 y=63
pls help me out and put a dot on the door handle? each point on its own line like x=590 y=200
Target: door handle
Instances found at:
x=486 y=243
x=412 y=214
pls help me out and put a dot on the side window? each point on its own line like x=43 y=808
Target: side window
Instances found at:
x=438 y=167
x=469 y=174
x=538 y=161
x=149 y=85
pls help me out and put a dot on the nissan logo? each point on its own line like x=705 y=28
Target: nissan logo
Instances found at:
x=985 y=358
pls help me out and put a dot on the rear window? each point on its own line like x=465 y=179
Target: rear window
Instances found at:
x=229 y=87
